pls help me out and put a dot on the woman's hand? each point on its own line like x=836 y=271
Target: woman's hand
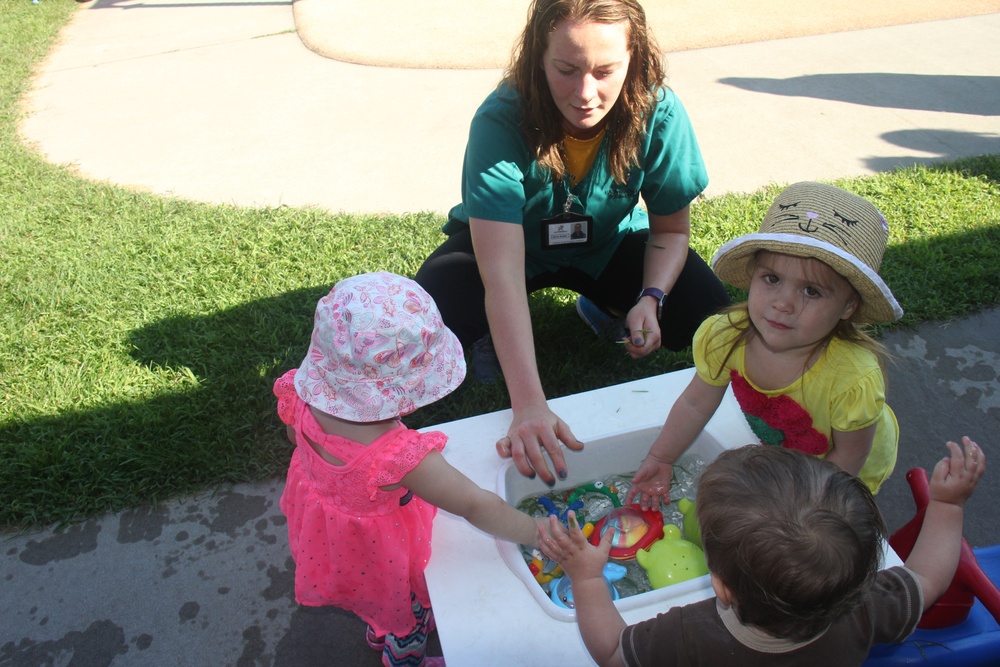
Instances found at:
x=644 y=328
x=534 y=432
x=651 y=483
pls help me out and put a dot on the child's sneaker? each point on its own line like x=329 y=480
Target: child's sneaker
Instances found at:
x=376 y=642
x=600 y=321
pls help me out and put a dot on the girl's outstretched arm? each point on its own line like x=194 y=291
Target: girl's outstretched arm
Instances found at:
x=686 y=420
x=439 y=483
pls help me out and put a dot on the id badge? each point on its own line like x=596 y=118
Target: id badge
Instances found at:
x=567 y=229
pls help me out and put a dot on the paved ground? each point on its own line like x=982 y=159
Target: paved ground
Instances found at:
x=215 y=101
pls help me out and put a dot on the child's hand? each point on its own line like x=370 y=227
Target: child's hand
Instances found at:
x=579 y=559
x=651 y=483
x=542 y=532
x=955 y=477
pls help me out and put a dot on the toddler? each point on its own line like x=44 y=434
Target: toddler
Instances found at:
x=793 y=545
x=804 y=373
x=362 y=489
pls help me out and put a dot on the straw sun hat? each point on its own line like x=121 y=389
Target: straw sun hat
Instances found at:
x=379 y=350
x=826 y=223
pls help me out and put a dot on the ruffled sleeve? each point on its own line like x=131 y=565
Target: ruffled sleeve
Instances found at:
x=860 y=405
x=402 y=452
x=712 y=343
x=284 y=389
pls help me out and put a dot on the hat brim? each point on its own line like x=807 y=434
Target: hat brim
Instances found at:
x=358 y=399
x=733 y=262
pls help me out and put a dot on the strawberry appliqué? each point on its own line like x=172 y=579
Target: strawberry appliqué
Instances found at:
x=778 y=420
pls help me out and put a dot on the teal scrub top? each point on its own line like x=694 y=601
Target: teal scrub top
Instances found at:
x=501 y=181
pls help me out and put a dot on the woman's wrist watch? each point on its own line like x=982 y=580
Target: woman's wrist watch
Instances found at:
x=657 y=294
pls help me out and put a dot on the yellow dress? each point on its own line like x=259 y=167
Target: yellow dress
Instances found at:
x=843 y=391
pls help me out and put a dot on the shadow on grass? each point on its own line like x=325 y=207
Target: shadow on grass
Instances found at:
x=958 y=279
x=984 y=165
x=223 y=427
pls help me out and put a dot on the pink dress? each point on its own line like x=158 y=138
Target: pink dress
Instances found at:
x=355 y=546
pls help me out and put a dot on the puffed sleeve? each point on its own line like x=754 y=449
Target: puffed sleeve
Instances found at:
x=284 y=390
x=711 y=345
x=861 y=404
x=402 y=454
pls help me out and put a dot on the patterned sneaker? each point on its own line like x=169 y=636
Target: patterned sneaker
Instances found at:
x=373 y=640
x=485 y=365
x=602 y=323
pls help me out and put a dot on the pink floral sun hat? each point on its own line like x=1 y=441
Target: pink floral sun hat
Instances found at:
x=379 y=350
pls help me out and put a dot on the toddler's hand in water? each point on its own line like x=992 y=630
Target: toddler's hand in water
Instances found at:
x=651 y=484
x=579 y=559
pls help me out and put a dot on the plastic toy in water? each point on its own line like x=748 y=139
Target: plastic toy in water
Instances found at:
x=692 y=529
x=561 y=590
x=574 y=502
x=535 y=567
x=635 y=529
x=537 y=564
x=551 y=508
x=672 y=559
x=969 y=583
x=595 y=487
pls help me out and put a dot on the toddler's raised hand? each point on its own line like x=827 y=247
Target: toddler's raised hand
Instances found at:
x=955 y=477
x=651 y=483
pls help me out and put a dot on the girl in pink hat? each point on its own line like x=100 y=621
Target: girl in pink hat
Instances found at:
x=362 y=489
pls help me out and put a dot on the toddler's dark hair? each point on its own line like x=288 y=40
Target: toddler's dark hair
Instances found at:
x=796 y=539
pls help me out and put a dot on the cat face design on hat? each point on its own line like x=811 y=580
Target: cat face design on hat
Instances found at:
x=819 y=221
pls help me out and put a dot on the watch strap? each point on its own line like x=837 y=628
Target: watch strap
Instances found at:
x=657 y=294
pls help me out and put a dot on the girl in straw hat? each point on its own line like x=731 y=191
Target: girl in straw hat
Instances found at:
x=804 y=373
x=362 y=488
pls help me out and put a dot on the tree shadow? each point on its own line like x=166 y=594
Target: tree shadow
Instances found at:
x=221 y=425
x=958 y=274
x=133 y=451
x=943 y=145
x=949 y=93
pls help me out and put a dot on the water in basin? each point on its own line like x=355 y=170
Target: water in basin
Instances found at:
x=610 y=461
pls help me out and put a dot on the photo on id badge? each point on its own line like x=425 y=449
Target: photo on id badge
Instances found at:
x=566 y=229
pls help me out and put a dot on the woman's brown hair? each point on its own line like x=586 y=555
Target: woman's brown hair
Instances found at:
x=542 y=125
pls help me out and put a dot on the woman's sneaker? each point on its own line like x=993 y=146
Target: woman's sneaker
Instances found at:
x=602 y=323
x=485 y=365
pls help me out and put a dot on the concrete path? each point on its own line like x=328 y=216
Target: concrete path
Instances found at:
x=221 y=102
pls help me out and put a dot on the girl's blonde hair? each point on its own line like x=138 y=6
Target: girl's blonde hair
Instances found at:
x=541 y=123
x=847 y=330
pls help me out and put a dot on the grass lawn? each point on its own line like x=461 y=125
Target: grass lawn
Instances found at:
x=140 y=335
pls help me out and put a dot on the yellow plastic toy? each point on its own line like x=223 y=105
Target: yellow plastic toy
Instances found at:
x=672 y=559
x=692 y=529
